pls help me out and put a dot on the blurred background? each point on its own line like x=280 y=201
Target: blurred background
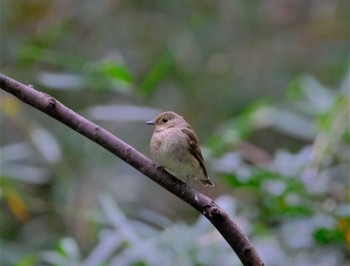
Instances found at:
x=265 y=84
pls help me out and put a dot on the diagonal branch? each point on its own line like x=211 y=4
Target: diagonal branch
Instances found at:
x=206 y=206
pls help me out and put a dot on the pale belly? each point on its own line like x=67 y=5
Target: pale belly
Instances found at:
x=176 y=158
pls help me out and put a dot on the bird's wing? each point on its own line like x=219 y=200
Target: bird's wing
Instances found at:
x=193 y=147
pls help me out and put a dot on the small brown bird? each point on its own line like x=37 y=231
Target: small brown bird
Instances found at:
x=174 y=146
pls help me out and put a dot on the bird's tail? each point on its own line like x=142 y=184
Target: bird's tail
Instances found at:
x=206 y=182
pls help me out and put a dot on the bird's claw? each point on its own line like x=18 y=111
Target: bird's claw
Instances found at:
x=159 y=167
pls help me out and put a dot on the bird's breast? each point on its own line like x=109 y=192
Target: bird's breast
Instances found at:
x=169 y=149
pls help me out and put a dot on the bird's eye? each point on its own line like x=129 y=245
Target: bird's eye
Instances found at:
x=164 y=120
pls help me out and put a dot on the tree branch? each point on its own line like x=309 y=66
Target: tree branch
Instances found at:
x=206 y=206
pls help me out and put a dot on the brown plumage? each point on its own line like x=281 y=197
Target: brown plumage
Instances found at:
x=174 y=145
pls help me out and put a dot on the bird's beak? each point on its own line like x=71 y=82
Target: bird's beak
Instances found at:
x=150 y=123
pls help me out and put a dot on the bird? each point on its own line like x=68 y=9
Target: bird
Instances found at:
x=174 y=146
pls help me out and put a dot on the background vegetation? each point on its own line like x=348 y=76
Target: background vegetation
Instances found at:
x=265 y=84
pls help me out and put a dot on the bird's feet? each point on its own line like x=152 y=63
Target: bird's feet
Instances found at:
x=159 y=167
x=183 y=192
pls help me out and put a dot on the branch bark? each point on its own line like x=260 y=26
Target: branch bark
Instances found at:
x=206 y=206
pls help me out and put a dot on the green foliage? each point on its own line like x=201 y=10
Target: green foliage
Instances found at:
x=296 y=186
x=107 y=75
x=66 y=253
x=156 y=73
x=33 y=53
x=328 y=236
x=28 y=260
x=253 y=117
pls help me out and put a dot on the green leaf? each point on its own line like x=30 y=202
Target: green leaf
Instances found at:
x=156 y=73
x=295 y=90
x=29 y=260
x=34 y=52
x=327 y=235
x=113 y=70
